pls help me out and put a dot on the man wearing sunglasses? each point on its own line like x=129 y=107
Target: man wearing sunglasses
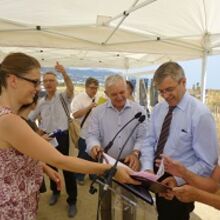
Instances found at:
x=52 y=117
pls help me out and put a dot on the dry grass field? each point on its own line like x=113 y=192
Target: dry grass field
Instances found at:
x=213 y=102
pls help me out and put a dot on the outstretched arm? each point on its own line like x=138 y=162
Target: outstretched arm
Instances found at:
x=189 y=193
x=206 y=183
x=19 y=135
x=68 y=82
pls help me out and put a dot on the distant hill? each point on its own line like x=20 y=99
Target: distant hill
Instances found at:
x=79 y=75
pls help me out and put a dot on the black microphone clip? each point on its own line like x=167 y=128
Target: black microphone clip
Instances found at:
x=142 y=118
x=92 y=189
x=108 y=175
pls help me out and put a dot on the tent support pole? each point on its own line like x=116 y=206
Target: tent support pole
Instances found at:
x=203 y=77
x=125 y=14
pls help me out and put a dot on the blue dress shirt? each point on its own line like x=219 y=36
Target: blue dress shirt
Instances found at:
x=105 y=122
x=192 y=139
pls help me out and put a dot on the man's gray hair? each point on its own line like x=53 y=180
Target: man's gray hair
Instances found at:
x=172 y=69
x=113 y=79
x=50 y=73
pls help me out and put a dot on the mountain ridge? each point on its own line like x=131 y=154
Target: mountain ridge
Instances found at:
x=80 y=75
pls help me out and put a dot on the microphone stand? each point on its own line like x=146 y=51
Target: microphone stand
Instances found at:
x=108 y=175
x=92 y=189
x=111 y=172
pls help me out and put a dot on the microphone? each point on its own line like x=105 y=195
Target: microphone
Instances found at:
x=111 y=172
x=109 y=145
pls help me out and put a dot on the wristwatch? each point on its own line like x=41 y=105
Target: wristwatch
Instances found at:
x=137 y=153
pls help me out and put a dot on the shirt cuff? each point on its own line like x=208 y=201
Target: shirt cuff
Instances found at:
x=91 y=145
x=146 y=165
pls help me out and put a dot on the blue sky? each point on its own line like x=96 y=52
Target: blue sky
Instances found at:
x=193 y=69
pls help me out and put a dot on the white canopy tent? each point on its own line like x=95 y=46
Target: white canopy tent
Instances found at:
x=117 y=33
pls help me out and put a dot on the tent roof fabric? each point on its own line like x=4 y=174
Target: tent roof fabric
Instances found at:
x=116 y=33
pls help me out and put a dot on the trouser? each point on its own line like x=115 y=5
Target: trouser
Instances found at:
x=173 y=209
x=43 y=187
x=83 y=155
x=69 y=177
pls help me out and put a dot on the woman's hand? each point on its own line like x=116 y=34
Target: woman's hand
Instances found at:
x=54 y=175
x=123 y=176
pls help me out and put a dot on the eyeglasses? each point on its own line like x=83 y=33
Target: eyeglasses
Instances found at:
x=35 y=82
x=48 y=80
x=93 y=87
x=168 y=90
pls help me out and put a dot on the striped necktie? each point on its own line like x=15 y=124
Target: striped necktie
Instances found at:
x=164 y=132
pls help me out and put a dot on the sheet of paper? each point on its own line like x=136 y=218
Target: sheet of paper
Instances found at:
x=161 y=169
x=146 y=175
x=110 y=160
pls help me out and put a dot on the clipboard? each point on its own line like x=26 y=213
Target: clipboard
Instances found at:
x=139 y=191
x=148 y=181
x=152 y=185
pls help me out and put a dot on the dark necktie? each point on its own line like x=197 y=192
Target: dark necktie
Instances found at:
x=164 y=132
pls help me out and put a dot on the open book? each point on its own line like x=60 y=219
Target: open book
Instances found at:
x=148 y=180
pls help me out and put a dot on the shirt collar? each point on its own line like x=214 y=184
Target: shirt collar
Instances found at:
x=183 y=102
x=89 y=96
x=127 y=105
x=46 y=96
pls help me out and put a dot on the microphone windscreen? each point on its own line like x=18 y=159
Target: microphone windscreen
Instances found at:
x=142 y=118
x=138 y=115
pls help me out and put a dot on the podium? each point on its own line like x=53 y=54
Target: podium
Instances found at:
x=121 y=202
x=128 y=202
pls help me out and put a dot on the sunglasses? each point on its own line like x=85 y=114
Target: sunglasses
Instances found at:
x=35 y=82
